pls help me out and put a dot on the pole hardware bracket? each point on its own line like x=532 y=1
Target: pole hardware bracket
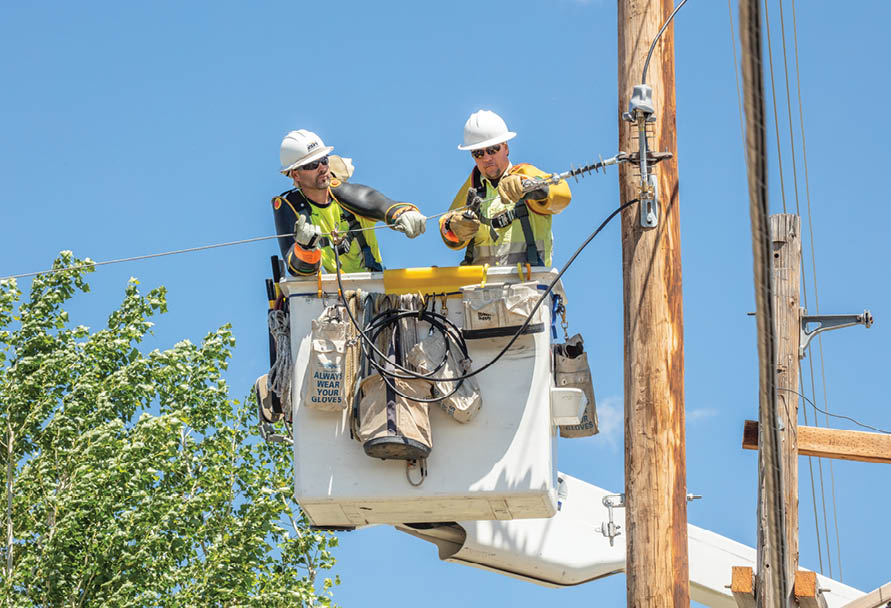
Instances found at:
x=827 y=322
x=611 y=529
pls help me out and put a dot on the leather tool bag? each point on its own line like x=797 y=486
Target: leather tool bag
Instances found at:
x=498 y=310
x=571 y=371
x=323 y=382
x=464 y=403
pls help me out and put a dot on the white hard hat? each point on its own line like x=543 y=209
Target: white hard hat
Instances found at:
x=301 y=147
x=483 y=129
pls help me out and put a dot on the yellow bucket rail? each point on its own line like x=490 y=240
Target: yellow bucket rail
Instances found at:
x=432 y=280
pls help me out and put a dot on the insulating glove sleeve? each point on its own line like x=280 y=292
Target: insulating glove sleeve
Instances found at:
x=463 y=224
x=306 y=235
x=510 y=188
x=412 y=222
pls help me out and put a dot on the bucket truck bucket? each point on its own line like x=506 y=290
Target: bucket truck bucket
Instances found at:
x=501 y=465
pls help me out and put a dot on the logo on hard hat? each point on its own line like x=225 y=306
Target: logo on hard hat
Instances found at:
x=312 y=146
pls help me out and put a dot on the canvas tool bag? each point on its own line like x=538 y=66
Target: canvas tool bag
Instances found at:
x=392 y=427
x=498 y=310
x=466 y=401
x=571 y=371
x=389 y=425
x=324 y=379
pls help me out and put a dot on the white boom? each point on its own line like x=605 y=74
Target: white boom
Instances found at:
x=570 y=548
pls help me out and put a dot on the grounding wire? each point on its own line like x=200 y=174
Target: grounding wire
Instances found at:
x=643 y=78
x=412 y=374
x=776 y=119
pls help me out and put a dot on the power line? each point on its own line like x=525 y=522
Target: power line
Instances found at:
x=776 y=119
x=187 y=250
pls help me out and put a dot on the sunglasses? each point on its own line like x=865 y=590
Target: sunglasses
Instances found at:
x=491 y=151
x=314 y=164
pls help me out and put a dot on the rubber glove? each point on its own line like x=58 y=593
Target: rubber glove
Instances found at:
x=306 y=234
x=510 y=188
x=463 y=224
x=412 y=222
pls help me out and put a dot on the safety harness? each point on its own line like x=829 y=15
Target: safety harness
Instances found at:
x=502 y=220
x=354 y=232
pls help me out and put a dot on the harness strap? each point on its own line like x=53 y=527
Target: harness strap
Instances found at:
x=355 y=230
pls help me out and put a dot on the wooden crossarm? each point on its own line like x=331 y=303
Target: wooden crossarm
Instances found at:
x=742 y=585
x=831 y=443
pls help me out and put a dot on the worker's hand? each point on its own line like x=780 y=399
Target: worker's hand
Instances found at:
x=510 y=188
x=463 y=224
x=412 y=222
x=306 y=234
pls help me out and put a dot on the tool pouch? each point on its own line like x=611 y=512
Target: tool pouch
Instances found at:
x=464 y=403
x=571 y=371
x=323 y=382
x=390 y=426
x=498 y=310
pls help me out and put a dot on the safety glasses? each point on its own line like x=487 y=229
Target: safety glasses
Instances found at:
x=314 y=164
x=491 y=151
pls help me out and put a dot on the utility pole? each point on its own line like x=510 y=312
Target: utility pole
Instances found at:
x=785 y=236
x=655 y=467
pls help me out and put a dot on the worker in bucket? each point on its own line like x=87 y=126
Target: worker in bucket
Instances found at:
x=498 y=215
x=322 y=211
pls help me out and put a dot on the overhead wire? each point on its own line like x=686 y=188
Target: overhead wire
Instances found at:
x=742 y=130
x=776 y=119
x=813 y=267
x=137 y=258
x=409 y=373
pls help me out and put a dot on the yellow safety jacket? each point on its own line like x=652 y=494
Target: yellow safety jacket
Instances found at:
x=509 y=233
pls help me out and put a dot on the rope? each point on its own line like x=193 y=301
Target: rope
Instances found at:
x=280 y=373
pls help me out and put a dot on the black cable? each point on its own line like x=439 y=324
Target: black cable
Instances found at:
x=866 y=426
x=643 y=79
x=519 y=332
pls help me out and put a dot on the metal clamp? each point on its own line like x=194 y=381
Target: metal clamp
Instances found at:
x=610 y=529
x=828 y=322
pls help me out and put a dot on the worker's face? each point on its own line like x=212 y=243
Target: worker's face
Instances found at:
x=493 y=161
x=316 y=178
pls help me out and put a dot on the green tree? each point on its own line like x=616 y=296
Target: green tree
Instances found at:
x=132 y=479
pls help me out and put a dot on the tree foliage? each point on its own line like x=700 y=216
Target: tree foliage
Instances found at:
x=132 y=478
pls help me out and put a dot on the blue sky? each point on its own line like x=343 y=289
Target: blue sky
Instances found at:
x=132 y=128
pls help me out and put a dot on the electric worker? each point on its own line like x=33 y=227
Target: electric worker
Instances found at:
x=322 y=211
x=495 y=216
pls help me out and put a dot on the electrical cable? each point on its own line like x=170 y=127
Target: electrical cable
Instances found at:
x=188 y=250
x=742 y=130
x=776 y=119
x=643 y=78
x=810 y=463
x=408 y=373
x=813 y=264
x=789 y=108
x=857 y=422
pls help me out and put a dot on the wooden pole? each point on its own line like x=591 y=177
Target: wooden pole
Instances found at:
x=771 y=590
x=785 y=237
x=655 y=467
